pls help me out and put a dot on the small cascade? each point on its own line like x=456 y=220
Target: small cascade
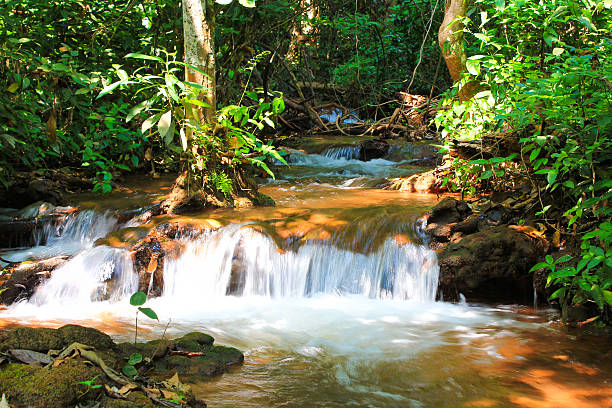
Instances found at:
x=84 y=226
x=68 y=236
x=100 y=273
x=237 y=260
x=343 y=152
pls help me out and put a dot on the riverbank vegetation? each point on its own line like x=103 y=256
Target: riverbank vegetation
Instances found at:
x=518 y=93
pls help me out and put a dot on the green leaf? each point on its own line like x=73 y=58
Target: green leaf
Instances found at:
x=143 y=56
x=149 y=313
x=473 y=67
x=198 y=103
x=585 y=21
x=135 y=111
x=13 y=87
x=562 y=273
x=164 y=125
x=109 y=88
x=135 y=358
x=558 y=51
x=224 y=2
x=500 y=4
x=534 y=154
x=559 y=293
x=149 y=122
x=608 y=297
x=129 y=370
x=138 y=299
x=247 y=3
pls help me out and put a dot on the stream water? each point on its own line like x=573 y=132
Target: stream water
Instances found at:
x=335 y=305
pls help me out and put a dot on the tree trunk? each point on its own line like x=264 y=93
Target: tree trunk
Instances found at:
x=301 y=29
x=198 y=29
x=450 y=38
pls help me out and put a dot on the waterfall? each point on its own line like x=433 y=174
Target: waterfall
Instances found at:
x=83 y=226
x=95 y=274
x=237 y=260
x=343 y=152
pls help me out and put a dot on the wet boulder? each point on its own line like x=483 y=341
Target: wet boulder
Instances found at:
x=20 y=280
x=373 y=149
x=490 y=264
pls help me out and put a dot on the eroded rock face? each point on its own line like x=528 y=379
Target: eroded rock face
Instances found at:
x=479 y=255
x=490 y=264
x=23 y=278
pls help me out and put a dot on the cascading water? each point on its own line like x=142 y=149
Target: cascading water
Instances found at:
x=67 y=236
x=343 y=152
x=238 y=260
x=100 y=273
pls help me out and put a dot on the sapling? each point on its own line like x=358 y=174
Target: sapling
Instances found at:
x=137 y=299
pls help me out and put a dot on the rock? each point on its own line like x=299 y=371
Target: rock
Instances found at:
x=36 y=210
x=72 y=333
x=200 y=365
x=230 y=355
x=42 y=339
x=24 y=278
x=201 y=338
x=490 y=264
x=373 y=149
x=43 y=388
x=447 y=211
x=424 y=183
x=30 y=338
x=153 y=349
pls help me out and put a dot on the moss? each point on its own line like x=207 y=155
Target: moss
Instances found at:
x=229 y=355
x=188 y=345
x=72 y=333
x=29 y=338
x=41 y=387
x=135 y=399
x=202 y=338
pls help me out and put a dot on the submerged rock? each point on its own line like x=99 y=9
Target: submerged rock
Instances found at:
x=373 y=149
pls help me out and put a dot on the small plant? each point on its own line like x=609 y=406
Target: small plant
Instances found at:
x=138 y=299
x=90 y=386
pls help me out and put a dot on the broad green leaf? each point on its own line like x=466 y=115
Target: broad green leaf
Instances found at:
x=585 y=21
x=138 y=299
x=135 y=358
x=149 y=122
x=558 y=51
x=164 y=125
x=247 y=3
x=135 y=110
x=13 y=87
x=143 y=56
x=559 y=293
x=183 y=139
x=224 y=2
x=198 y=103
x=129 y=370
x=608 y=297
x=149 y=313
x=109 y=88
x=473 y=67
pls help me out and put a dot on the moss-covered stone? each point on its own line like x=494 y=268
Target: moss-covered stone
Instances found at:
x=200 y=365
x=201 y=338
x=72 y=333
x=188 y=345
x=152 y=349
x=229 y=355
x=135 y=399
x=56 y=387
x=29 y=338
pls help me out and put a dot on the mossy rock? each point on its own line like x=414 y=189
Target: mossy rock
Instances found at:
x=135 y=399
x=200 y=365
x=28 y=338
x=72 y=333
x=229 y=355
x=201 y=338
x=56 y=387
x=153 y=348
x=189 y=346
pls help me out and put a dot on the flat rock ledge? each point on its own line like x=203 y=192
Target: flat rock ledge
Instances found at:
x=42 y=367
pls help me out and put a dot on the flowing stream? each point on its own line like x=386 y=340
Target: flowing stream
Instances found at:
x=331 y=295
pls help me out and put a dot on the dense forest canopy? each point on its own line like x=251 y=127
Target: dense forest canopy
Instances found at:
x=112 y=87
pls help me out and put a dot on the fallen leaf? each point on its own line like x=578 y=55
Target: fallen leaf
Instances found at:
x=127 y=388
x=30 y=357
x=170 y=395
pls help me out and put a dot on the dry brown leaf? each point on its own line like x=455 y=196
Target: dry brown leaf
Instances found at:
x=127 y=388
x=170 y=395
